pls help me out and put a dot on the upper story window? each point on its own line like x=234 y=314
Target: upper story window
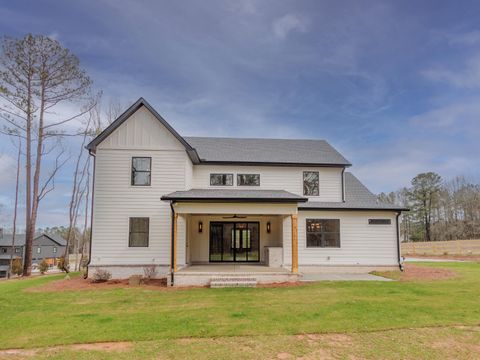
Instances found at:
x=323 y=233
x=39 y=250
x=248 y=179
x=4 y=250
x=54 y=249
x=138 y=234
x=221 y=179
x=17 y=250
x=310 y=183
x=141 y=171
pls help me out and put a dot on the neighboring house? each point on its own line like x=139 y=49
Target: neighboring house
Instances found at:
x=45 y=246
x=185 y=203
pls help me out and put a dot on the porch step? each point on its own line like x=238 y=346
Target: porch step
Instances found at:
x=232 y=281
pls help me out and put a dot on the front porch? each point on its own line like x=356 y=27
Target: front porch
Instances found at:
x=255 y=241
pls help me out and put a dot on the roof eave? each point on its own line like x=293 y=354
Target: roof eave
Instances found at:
x=351 y=208
x=265 y=163
x=232 y=199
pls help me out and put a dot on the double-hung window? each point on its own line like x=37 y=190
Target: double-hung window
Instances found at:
x=310 y=183
x=141 y=171
x=138 y=234
x=323 y=233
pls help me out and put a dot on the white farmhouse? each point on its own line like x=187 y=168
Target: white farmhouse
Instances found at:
x=199 y=208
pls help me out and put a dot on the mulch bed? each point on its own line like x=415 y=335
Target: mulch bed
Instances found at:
x=446 y=257
x=414 y=272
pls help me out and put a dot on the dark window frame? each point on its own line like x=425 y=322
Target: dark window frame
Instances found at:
x=138 y=232
x=240 y=175
x=318 y=183
x=380 y=222
x=133 y=171
x=322 y=233
x=222 y=174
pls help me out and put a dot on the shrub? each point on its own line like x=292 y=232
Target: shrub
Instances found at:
x=17 y=266
x=101 y=275
x=61 y=263
x=150 y=271
x=43 y=266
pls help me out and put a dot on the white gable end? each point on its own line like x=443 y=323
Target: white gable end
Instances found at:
x=141 y=131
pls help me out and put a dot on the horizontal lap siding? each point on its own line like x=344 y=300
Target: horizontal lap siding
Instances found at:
x=360 y=243
x=275 y=178
x=115 y=200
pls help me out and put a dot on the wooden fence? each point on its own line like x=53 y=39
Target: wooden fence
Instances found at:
x=454 y=247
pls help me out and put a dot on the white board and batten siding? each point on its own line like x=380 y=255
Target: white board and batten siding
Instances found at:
x=116 y=200
x=275 y=178
x=360 y=243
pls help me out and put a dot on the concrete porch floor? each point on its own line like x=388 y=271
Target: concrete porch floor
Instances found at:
x=224 y=268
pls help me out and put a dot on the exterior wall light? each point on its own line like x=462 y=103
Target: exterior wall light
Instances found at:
x=200 y=226
x=269 y=228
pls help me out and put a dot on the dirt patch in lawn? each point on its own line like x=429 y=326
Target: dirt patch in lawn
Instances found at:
x=79 y=283
x=414 y=272
x=446 y=257
x=102 y=346
x=281 y=284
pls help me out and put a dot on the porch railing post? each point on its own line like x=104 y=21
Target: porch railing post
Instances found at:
x=294 y=221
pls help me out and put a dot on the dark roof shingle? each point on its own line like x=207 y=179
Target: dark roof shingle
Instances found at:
x=357 y=196
x=234 y=195
x=266 y=151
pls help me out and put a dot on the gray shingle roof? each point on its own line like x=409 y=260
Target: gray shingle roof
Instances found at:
x=266 y=151
x=234 y=195
x=357 y=196
x=6 y=240
x=20 y=239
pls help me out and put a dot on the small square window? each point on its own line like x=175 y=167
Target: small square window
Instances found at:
x=248 y=179
x=221 y=179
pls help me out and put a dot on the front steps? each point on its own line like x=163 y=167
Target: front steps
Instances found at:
x=228 y=281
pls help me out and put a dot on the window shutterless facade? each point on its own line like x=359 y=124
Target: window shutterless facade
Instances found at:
x=248 y=179
x=323 y=233
x=138 y=234
x=54 y=249
x=221 y=179
x=310 y=183
x=141 y=171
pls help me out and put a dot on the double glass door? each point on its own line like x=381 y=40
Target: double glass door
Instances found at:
x=234 y=242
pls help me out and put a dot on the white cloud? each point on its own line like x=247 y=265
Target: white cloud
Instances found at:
x=467 y=38
x=288 y=23
x=8 y=167
x=464 y=76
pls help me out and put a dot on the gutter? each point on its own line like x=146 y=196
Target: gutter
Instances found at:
x=172 y=249
x=91 y=153
x=400 y=264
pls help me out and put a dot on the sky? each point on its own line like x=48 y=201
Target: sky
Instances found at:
x=393 y=85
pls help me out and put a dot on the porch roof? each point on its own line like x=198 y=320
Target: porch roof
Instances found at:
x=229 y=195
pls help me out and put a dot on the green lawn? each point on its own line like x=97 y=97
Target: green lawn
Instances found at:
x=163 y=319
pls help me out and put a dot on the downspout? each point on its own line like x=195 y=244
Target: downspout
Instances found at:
x=172 y=249
x=91 y=215
x=400 y=264
x=343 y=184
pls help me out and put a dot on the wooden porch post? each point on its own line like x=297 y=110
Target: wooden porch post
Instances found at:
x=294 y=219
x=174 y=265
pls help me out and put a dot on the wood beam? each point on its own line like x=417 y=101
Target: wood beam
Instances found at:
x=174 y=265
x=294 y=220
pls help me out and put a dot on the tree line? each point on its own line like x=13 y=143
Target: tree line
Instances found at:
x=439 y=209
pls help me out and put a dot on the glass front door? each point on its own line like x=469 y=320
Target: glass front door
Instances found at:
x=234 y=242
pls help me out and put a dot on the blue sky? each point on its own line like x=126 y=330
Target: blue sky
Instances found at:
x=395 y=86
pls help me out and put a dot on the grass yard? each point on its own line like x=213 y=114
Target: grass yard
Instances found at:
x=369 y=320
